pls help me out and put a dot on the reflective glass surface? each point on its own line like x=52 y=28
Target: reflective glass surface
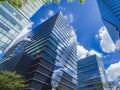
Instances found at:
x=56 y=42
x=11 y=23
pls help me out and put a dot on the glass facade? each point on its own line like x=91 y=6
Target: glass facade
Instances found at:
x=29 y=8
x=110 y=13
x=114 y=6
x=12 y=55
x=91 y=74
x=12 y=21
x=54 y=44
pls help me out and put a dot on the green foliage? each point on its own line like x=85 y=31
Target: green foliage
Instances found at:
x=15 y=3
x=57 y=1
x=69 y=1
x=11 y=81
x=33 y=1
x=18 y=3
x=99 y=84
x=2 y=1
x=59 y=87
x=50 y=1
x=109 y=84
x=81 y=1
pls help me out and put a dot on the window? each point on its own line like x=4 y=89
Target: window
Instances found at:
x=1 y=35
x=0 y=51
x=12 y=32
x=5 y=39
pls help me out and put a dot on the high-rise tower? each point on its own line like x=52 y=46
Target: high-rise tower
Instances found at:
x=13 y=21
x=91 y=74
x=53 y=52
x=54 y=49
x=110 y=14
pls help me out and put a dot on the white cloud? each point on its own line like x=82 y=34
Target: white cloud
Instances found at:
x=96 y=36
x=93 y=52
x=106 y=42
x=83 y=53
x=69 y=17
x=113 y=71
x=61 y=8
x=50 y=13
x=117 y=43
x=72 y=28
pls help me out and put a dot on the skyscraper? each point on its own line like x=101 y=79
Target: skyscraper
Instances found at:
x=54 y=49
x=110 y=14
x=53 y=53
x=91 y=74
x=30 y=8
x=12 y=21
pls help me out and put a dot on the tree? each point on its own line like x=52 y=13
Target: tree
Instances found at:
x=11 y=81
x=19 y=3
x=82 y=1
x=59 y=87
x=108 y=84
x=15 y=3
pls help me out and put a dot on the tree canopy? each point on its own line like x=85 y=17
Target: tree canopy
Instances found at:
x=107 y=85
x=18 y=3
x=15 y=3
x=11 y=81
x=59 y=87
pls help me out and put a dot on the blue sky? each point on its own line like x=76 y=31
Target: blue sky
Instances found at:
x=86 y=21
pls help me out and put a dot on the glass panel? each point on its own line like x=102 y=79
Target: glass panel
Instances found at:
x=5 y=39
x=1 y=35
